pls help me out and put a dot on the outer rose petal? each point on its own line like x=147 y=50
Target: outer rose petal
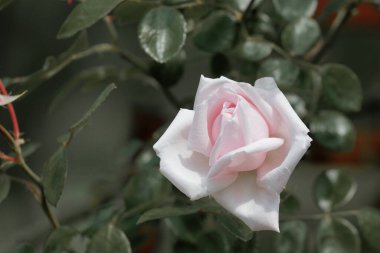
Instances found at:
x=180 y=165
x=275 y=171
x=8 y=99
x=255 y=206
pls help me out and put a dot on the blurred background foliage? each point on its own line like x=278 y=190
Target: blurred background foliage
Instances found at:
x=105 y=184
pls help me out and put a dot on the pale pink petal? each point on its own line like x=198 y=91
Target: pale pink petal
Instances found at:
x=257 y=207
x=8 y=99
x=184 y=168
x=246 y=158
x=207 y=86
x=211 y=95
x=241 y=125
x=275 y=171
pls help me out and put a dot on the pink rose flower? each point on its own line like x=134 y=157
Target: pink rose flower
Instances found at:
x=239 y=145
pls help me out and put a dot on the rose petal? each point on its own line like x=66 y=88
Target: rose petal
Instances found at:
x=255 y=206
x=244 y=127
x=186 y=169
x=8 y=99
x=210 y=96
x=278 y=165
x=224 y=172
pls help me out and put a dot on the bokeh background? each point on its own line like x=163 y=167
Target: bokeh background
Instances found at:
x=28 y=34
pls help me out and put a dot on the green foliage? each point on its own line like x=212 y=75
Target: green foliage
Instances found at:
x=254 y=49
x=179 y=229
x=60 y=240
x=170 y=72
x=164 y=212
x=212 y=241
x=132 y=11
x=289 y=203
x=54 y=175
x=333 y=189
x=235 y=226
x=369 y=223
x=5 y=185
x=292 y=238
x=148 y=182
x=84 y=15
x=341 y=87
x=109 y=239
x=23 y=248
x=338 y=236
x=299 y=36
x=283 y=71
x=162 y=33
x=333 y=130
x=216 y=33
x=293 y=9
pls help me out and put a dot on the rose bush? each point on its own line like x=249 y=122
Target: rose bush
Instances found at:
x=240 y=144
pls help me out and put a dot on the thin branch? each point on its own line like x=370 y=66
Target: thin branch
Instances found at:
x=341 y=19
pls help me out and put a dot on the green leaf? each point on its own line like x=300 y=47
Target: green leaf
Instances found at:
x=216 y=33
x=100 y=219
x=213 y=241
x=164 y=212
x=240 y=5
x=4 y=3
x=5 y=185
x=170 y=72
x=289 y=203
x=169 y=2
x=85 y=15
x=23 y=248
x=235 y=226
x=262 y=24
x=283 y=71
x=369 y=224
x=148 y=182
x=292 y=237
x=300 y=36
x=60 y=240
x=220 y=65
x=132 y=11
x=180 y=230
x=337 y=236
x=333 y=130
x=331 y=7
x=333 y=189
x=293 y=9
x=341 y=87
x=109 y=240
x=77 y=127
x=162 y=33
x=254 y=50
x=54 y=176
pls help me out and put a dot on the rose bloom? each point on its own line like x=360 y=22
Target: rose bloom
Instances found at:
x=239 y=145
